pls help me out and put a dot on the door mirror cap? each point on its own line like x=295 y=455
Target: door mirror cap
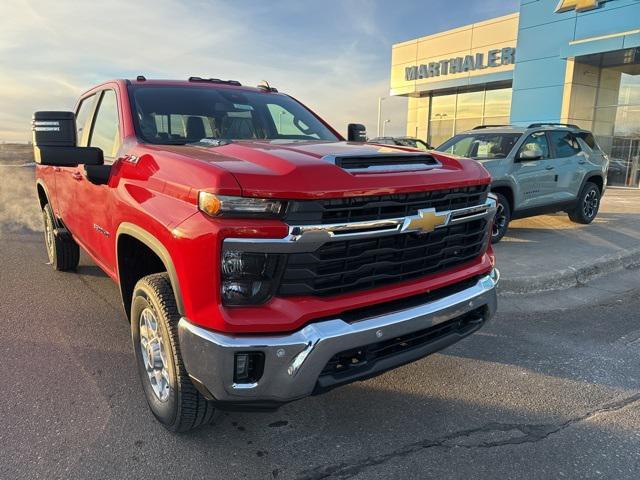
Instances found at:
x=54 y=129
x=356 y=132
x=54 y=141
x=529 y=155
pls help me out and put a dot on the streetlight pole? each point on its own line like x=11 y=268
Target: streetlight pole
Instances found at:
x=380 y=99
x=384 y=124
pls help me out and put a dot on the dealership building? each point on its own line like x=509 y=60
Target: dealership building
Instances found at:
x=572 y=61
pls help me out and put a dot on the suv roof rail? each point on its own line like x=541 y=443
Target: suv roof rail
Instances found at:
x=480 y=127
x=553 y=124
x=215 y=80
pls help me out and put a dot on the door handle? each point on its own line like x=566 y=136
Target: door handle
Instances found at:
x=549 y=167
x=76 y=175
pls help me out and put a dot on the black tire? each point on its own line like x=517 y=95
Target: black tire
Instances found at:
x=587 y=205
x=182 y=408
x=501 y=220
x=62 y=249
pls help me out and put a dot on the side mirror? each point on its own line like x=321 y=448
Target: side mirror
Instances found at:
x=529 y=155
x=356 y=132
x=54 y=141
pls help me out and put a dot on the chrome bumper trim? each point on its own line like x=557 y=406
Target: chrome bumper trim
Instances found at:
x=293 y=362
x=308 y=238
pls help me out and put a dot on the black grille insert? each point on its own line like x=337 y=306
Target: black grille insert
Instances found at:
x=351 y=361
x=357 y=209
x=350 y=265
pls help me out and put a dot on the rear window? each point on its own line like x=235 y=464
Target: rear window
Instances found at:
x=565 y=144
x=481 y=146
x=589 y=139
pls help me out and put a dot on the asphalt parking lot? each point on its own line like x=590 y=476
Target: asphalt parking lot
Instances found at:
x=549 y=389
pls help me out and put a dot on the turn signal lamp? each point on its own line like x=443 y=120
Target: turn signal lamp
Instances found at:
x=223 y=205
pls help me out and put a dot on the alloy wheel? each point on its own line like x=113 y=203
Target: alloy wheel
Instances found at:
x=590 y=204
x=499 y=222
x=49 y=238
x=154 y=354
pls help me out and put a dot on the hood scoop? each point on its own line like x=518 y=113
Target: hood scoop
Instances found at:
x=384 y=162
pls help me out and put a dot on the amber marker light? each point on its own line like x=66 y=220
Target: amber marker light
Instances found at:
x=222 y=205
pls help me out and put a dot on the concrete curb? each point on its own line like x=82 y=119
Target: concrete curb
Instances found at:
x=573 y=276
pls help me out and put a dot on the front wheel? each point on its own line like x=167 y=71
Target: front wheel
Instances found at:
x=502 y=218
x=171 y=396
x=587 y=205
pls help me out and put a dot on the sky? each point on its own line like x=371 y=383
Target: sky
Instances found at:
x=332 y=55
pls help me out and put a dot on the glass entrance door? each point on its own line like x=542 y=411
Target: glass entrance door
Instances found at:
x=616 y=121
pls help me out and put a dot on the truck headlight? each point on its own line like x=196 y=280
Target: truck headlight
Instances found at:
x=223 y=205
x=248 y=278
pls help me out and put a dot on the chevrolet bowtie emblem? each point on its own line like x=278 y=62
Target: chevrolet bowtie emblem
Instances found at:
x=426 y=221
x=577 y=5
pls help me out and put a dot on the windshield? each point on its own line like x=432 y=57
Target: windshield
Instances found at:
x=481 y=146
x=413 y=142
x=180 y=115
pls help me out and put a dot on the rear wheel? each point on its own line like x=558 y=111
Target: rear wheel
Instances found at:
x=588 y=204
x=502 y=218
x=171 y=396
x=62 y=249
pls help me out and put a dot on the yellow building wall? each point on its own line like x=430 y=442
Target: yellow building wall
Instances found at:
x=480 y=37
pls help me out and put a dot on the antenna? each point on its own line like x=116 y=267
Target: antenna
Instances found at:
x=264 y=85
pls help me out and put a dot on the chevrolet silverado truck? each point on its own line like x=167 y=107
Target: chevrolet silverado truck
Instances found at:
x=260 y=256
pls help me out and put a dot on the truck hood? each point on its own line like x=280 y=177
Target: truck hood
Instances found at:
x=295 y=169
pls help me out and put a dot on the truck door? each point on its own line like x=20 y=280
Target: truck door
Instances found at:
x=67 y=178
x=534 y=172
x=570 y=162
x=95 y=202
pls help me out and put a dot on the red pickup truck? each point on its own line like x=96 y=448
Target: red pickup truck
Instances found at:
x=260 y=256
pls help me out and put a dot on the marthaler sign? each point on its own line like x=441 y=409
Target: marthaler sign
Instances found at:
x=468 y=63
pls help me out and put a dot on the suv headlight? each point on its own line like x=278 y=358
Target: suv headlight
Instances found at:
x=248 y=278
x=223 y=205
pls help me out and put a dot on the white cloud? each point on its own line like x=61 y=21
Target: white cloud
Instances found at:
x=51 y=51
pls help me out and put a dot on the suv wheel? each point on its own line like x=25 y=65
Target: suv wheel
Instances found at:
x=62 y=249
x=502 y=219
x=171 y=396
x=588 y=204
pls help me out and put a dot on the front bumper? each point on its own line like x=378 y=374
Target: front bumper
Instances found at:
x=294 y=362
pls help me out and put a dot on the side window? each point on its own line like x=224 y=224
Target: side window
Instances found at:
x=565 y=144
x=589 y=140
x=535 y=147
x=105 y=125
x=82 y=115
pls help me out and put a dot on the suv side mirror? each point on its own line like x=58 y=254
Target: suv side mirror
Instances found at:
x=54 y=141
x=528 y=155
x=356 y=132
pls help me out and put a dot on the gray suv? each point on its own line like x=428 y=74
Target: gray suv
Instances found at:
x=539 y=169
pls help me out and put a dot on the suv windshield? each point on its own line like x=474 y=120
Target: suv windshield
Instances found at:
x=481 y=146
x=180 y=115
x=412 y=142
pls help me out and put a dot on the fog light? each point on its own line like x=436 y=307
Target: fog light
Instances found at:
x=248 y=367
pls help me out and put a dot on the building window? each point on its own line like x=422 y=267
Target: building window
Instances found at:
x=458 y=112
x=616 y=116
